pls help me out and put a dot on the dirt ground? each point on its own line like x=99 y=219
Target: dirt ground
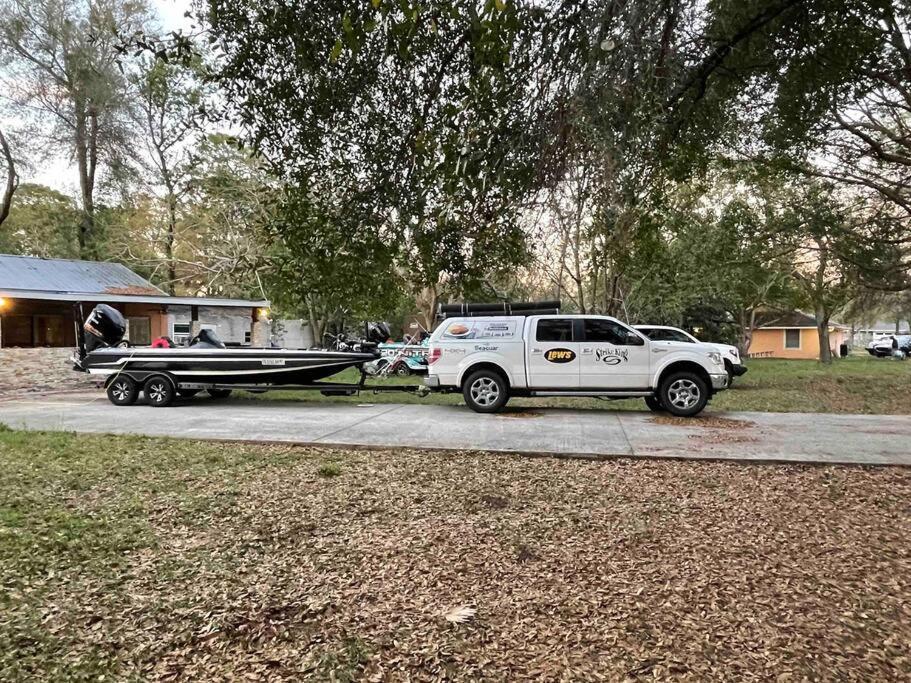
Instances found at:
x=174 y=560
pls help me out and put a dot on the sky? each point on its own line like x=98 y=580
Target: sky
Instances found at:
x=60 y=173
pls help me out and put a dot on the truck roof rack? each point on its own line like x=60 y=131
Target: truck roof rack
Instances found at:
x=463 y=310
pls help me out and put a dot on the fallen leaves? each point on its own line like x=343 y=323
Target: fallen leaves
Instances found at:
x=255 y=566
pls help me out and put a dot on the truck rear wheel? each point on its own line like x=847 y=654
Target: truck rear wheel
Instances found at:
x=684 y=394
x=485 y=391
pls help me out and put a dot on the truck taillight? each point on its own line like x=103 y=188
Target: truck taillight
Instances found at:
x=434 y=356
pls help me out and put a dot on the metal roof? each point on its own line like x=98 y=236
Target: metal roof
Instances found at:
x=163 y=299
x=26 y=277
x=62 y=275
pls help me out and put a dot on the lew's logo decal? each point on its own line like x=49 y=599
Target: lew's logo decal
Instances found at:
x=560 y=356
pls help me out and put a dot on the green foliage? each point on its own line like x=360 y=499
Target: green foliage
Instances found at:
x=42 y=222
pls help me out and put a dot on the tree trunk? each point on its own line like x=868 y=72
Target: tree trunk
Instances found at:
x=822 y=331
x=86 y=145
x=427 y=306
x=12 y=179
x=169 y=240
x=747 y=326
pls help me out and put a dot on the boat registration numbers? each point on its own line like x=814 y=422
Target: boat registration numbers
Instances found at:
x=273 y=361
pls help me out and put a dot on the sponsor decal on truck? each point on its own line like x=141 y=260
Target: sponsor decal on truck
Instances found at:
x=612 y=356
x=484 y=329
x=560 y=356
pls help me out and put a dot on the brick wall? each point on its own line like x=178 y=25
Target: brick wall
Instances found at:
x=37 y=370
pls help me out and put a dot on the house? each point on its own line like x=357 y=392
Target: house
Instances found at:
x=38 y=298
x=793 y=334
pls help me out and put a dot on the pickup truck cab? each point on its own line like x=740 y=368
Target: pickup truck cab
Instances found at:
x=729 y=353
x=489 y=359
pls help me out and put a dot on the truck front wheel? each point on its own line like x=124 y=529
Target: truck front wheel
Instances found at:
x=684 y=394
x=485 y=391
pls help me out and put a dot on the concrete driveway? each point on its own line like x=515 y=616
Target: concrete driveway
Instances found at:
x=775 y=437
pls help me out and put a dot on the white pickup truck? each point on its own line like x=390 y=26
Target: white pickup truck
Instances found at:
x=489 y=359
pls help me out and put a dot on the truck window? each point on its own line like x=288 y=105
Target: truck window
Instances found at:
x=554 y=330
x=666 y=335
x=607 y=331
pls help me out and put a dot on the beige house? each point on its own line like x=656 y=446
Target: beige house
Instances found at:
x=793 y=334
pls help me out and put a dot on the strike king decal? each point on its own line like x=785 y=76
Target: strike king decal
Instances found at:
x=612 y=356
x=560 y=356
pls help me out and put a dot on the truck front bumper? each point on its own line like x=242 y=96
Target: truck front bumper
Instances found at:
x=719 y=381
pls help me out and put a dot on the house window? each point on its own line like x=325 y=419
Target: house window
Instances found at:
x=792 y=339
x=139 y=331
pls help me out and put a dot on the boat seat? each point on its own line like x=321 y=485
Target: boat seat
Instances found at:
x=207 y=339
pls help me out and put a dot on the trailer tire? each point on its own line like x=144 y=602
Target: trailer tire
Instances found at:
x=654 y=404
x=485 y=391
x=401 y=369
x=218 y=393
x=159 y=391
x=684 y=394
x=123 y=391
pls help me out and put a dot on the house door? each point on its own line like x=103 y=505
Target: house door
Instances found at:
x=48 y=330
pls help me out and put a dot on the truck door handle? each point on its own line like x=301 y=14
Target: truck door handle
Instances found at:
x=659 y=350
x=586 y=350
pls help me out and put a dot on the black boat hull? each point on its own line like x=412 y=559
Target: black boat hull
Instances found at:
x=274 y=367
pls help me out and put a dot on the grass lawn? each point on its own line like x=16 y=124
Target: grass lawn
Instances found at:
x=858 y=384
x=139 y=558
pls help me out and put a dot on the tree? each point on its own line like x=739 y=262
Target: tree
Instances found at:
x=63 y=65
x=819 y=227
x=42 y=222
x=420 y=121
x=165 y=111
x=12 y=179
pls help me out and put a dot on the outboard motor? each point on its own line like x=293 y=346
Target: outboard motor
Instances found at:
x=105 y=327
x=378 y=332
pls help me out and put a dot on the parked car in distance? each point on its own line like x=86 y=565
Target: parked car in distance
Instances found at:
x=731 y=355
x=491 y=358
x=890 y=345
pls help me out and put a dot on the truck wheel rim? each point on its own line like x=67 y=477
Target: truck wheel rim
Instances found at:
x=121 y=391
x=156 y=393
x=683 y=393
x=484 y=391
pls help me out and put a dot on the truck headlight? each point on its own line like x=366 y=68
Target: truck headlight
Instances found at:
x=715 y=357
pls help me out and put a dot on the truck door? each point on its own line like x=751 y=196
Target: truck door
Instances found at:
x=553 y=354
x=613 y=356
